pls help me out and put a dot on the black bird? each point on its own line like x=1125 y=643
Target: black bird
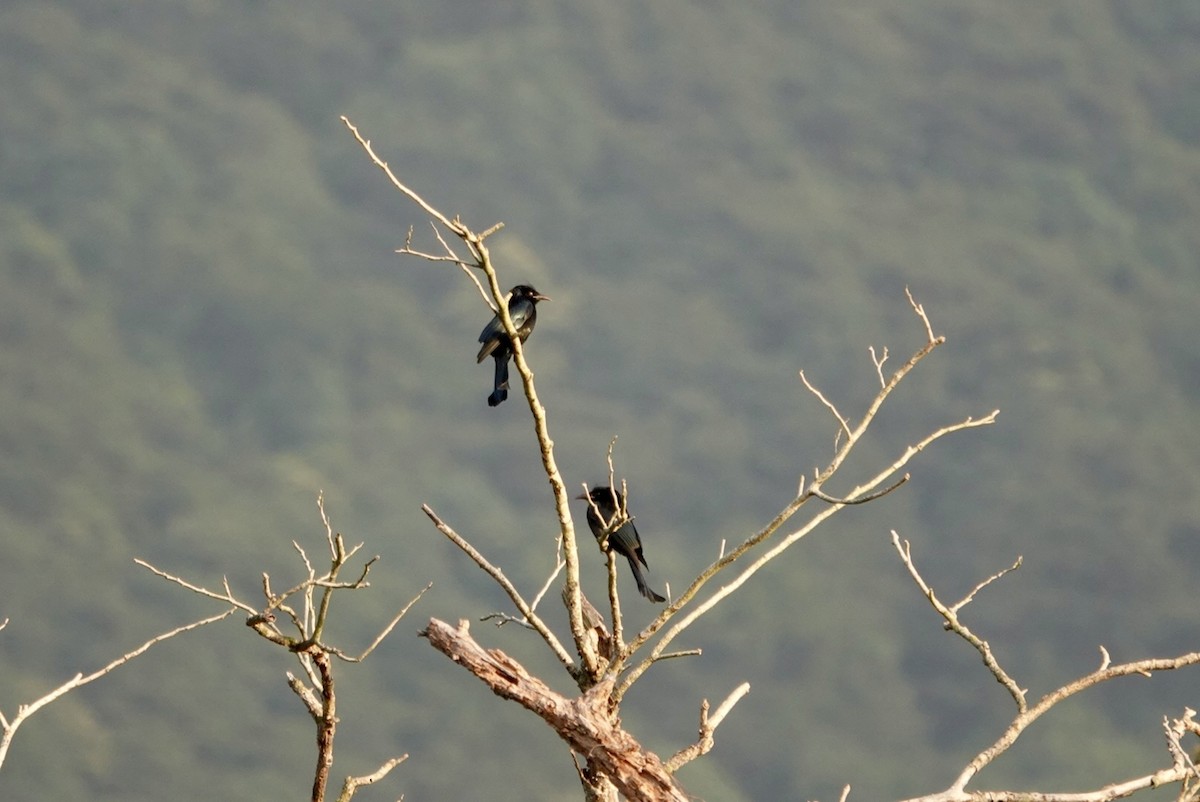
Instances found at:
x=522 y=308
x=625 y=539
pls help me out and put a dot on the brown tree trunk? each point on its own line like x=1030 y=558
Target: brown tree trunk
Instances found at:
x=614 y=759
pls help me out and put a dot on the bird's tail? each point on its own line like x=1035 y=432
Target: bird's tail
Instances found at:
x=640 y=578
x=500 y=383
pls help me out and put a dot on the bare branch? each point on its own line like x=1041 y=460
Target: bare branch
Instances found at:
x=475 y=242
x=612 y=471
x=490 y=231
x=920 y=310
x=952 y=623
x=456 y=227
x=1119 y=790
x=10 y=726
x=829 y=404
x=330 y=538
x=549 y=463
x=388 y=629
x=971 y=596
x=853 y=436
x=352 y=784
x=226 y=597
x=483 y=293
x=450 y=255
x=614 y=601
x=787 y=512
x=505 y=618
x=306 y=695
x=697 y=652
x=708 y=725
x=514 y=594
x=585 y=723
x=818 y=493
x=878 y=361
x=559 y=564
x=1027 y=715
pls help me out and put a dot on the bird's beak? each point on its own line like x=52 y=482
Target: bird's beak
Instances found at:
x=581 y=497
x=540 y=297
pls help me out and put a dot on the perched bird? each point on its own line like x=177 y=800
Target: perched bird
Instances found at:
x=624 y=539
x=522 y=308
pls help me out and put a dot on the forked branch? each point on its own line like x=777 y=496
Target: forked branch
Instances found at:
x=1181 y=770
x=849 y=437
x=315 y=593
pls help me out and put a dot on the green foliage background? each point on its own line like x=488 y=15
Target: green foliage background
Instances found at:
x=203 y=323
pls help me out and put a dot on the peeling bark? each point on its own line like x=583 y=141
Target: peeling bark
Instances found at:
x=584 y=722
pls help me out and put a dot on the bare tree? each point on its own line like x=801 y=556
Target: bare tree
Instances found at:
x=604 y=665
x=599 y=657
x=304 y=635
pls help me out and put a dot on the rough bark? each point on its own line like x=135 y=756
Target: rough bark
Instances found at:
x=584 y=722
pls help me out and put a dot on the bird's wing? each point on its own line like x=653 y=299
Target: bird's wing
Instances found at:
x=519 y=311
x=493 y=332
x=490 y=337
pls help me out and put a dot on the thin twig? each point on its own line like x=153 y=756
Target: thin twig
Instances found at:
x=618 y=632
x=920 y=310
x=414 y=197
x=821 y=494
x=879 y=363
x=829 y=404
x=10 y=726
x=708 y=725
x=388 y=629
x=506 y=618
x=514 y=594
x=224 y=597
x=970 y=597
x=785 y=514
x=352 y=784
x=955 y=625
x=559 y=564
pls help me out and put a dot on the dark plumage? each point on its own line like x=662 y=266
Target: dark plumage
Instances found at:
x=522 y=308
x=624 y=539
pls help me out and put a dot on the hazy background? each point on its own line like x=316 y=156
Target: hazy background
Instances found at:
x=203 y=322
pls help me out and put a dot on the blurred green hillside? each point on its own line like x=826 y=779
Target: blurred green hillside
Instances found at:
x=203 y=323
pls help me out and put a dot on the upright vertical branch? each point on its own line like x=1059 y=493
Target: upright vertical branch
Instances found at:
x=475 y=242
x=550 y=466
x=326 y=724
